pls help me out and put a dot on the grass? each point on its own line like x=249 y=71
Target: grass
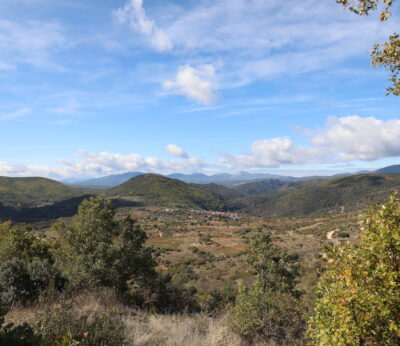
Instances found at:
x=142 y=328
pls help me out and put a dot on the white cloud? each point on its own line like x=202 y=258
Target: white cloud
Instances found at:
x=176 y=151
x=90 y=164
x=273 y=153
x=342 y=139
x=16 y=114
x=30 y=43
x=195 y=84
x=356 y=138
x=135 y=15
x=256 y=40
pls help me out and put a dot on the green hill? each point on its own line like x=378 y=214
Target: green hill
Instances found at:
x=157 y=190
x=327 y=196
x=259 y=187
x=222 y=192
x=33 y=192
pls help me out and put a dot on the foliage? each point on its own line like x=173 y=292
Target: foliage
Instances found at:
x=267 y=315
x=359 y=294
x=220 y=300
x=270 y=308
x=386 y=54
x=22 y=242
x=276 y=270
x=63 y=325
x=22 y=335
x=27 y=265
x=364 y=7
x=97 y=250
x=16 y=285
x=175 y=298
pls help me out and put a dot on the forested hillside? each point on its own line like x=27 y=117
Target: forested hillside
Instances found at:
x=33 y=192
x=152 y=189
x=327 y=196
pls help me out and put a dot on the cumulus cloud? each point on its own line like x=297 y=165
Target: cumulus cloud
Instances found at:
x=88 y=164
x=134 y=13
x=357 y=138
x=177 y=151
x=196 y=84
x=273 y=153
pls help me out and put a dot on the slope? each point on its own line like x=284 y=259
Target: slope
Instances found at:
x=327 y=196
x=33 y=192
x=157 y=190
x=222 y=192
x=259 y=187
x=395 y=169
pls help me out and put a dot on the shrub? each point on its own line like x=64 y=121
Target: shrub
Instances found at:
x=16 y=285
x=358 y=299
x=22 y=335
x=269 y=309
x=65 y=326
x=220 y=300
x=22 y=243
x=173 y=298
x=272 y=316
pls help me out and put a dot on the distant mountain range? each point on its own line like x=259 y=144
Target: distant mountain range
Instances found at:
x=196 y=178
x=222 y=178
x=35 y=199
x=395 y=169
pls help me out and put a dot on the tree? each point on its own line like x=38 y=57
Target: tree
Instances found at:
x=86 y=248
x=359 y=294
x=269 y=309
x=386 y=54
x=276 y=270
x=96 y=249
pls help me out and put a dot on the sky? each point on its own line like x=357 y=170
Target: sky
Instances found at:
x=91 y=88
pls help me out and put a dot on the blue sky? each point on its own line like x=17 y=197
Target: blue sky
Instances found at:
x=90 y=88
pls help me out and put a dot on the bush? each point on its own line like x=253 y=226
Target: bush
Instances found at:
x=173 y=298
x=65 y=326
x=272 y=316
x=269 y=309
x=27 y=265
x=358 y=300
x=22 y=243
x=16 y=285
x=220 y=300
x=22 y=335
x=45 y=275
